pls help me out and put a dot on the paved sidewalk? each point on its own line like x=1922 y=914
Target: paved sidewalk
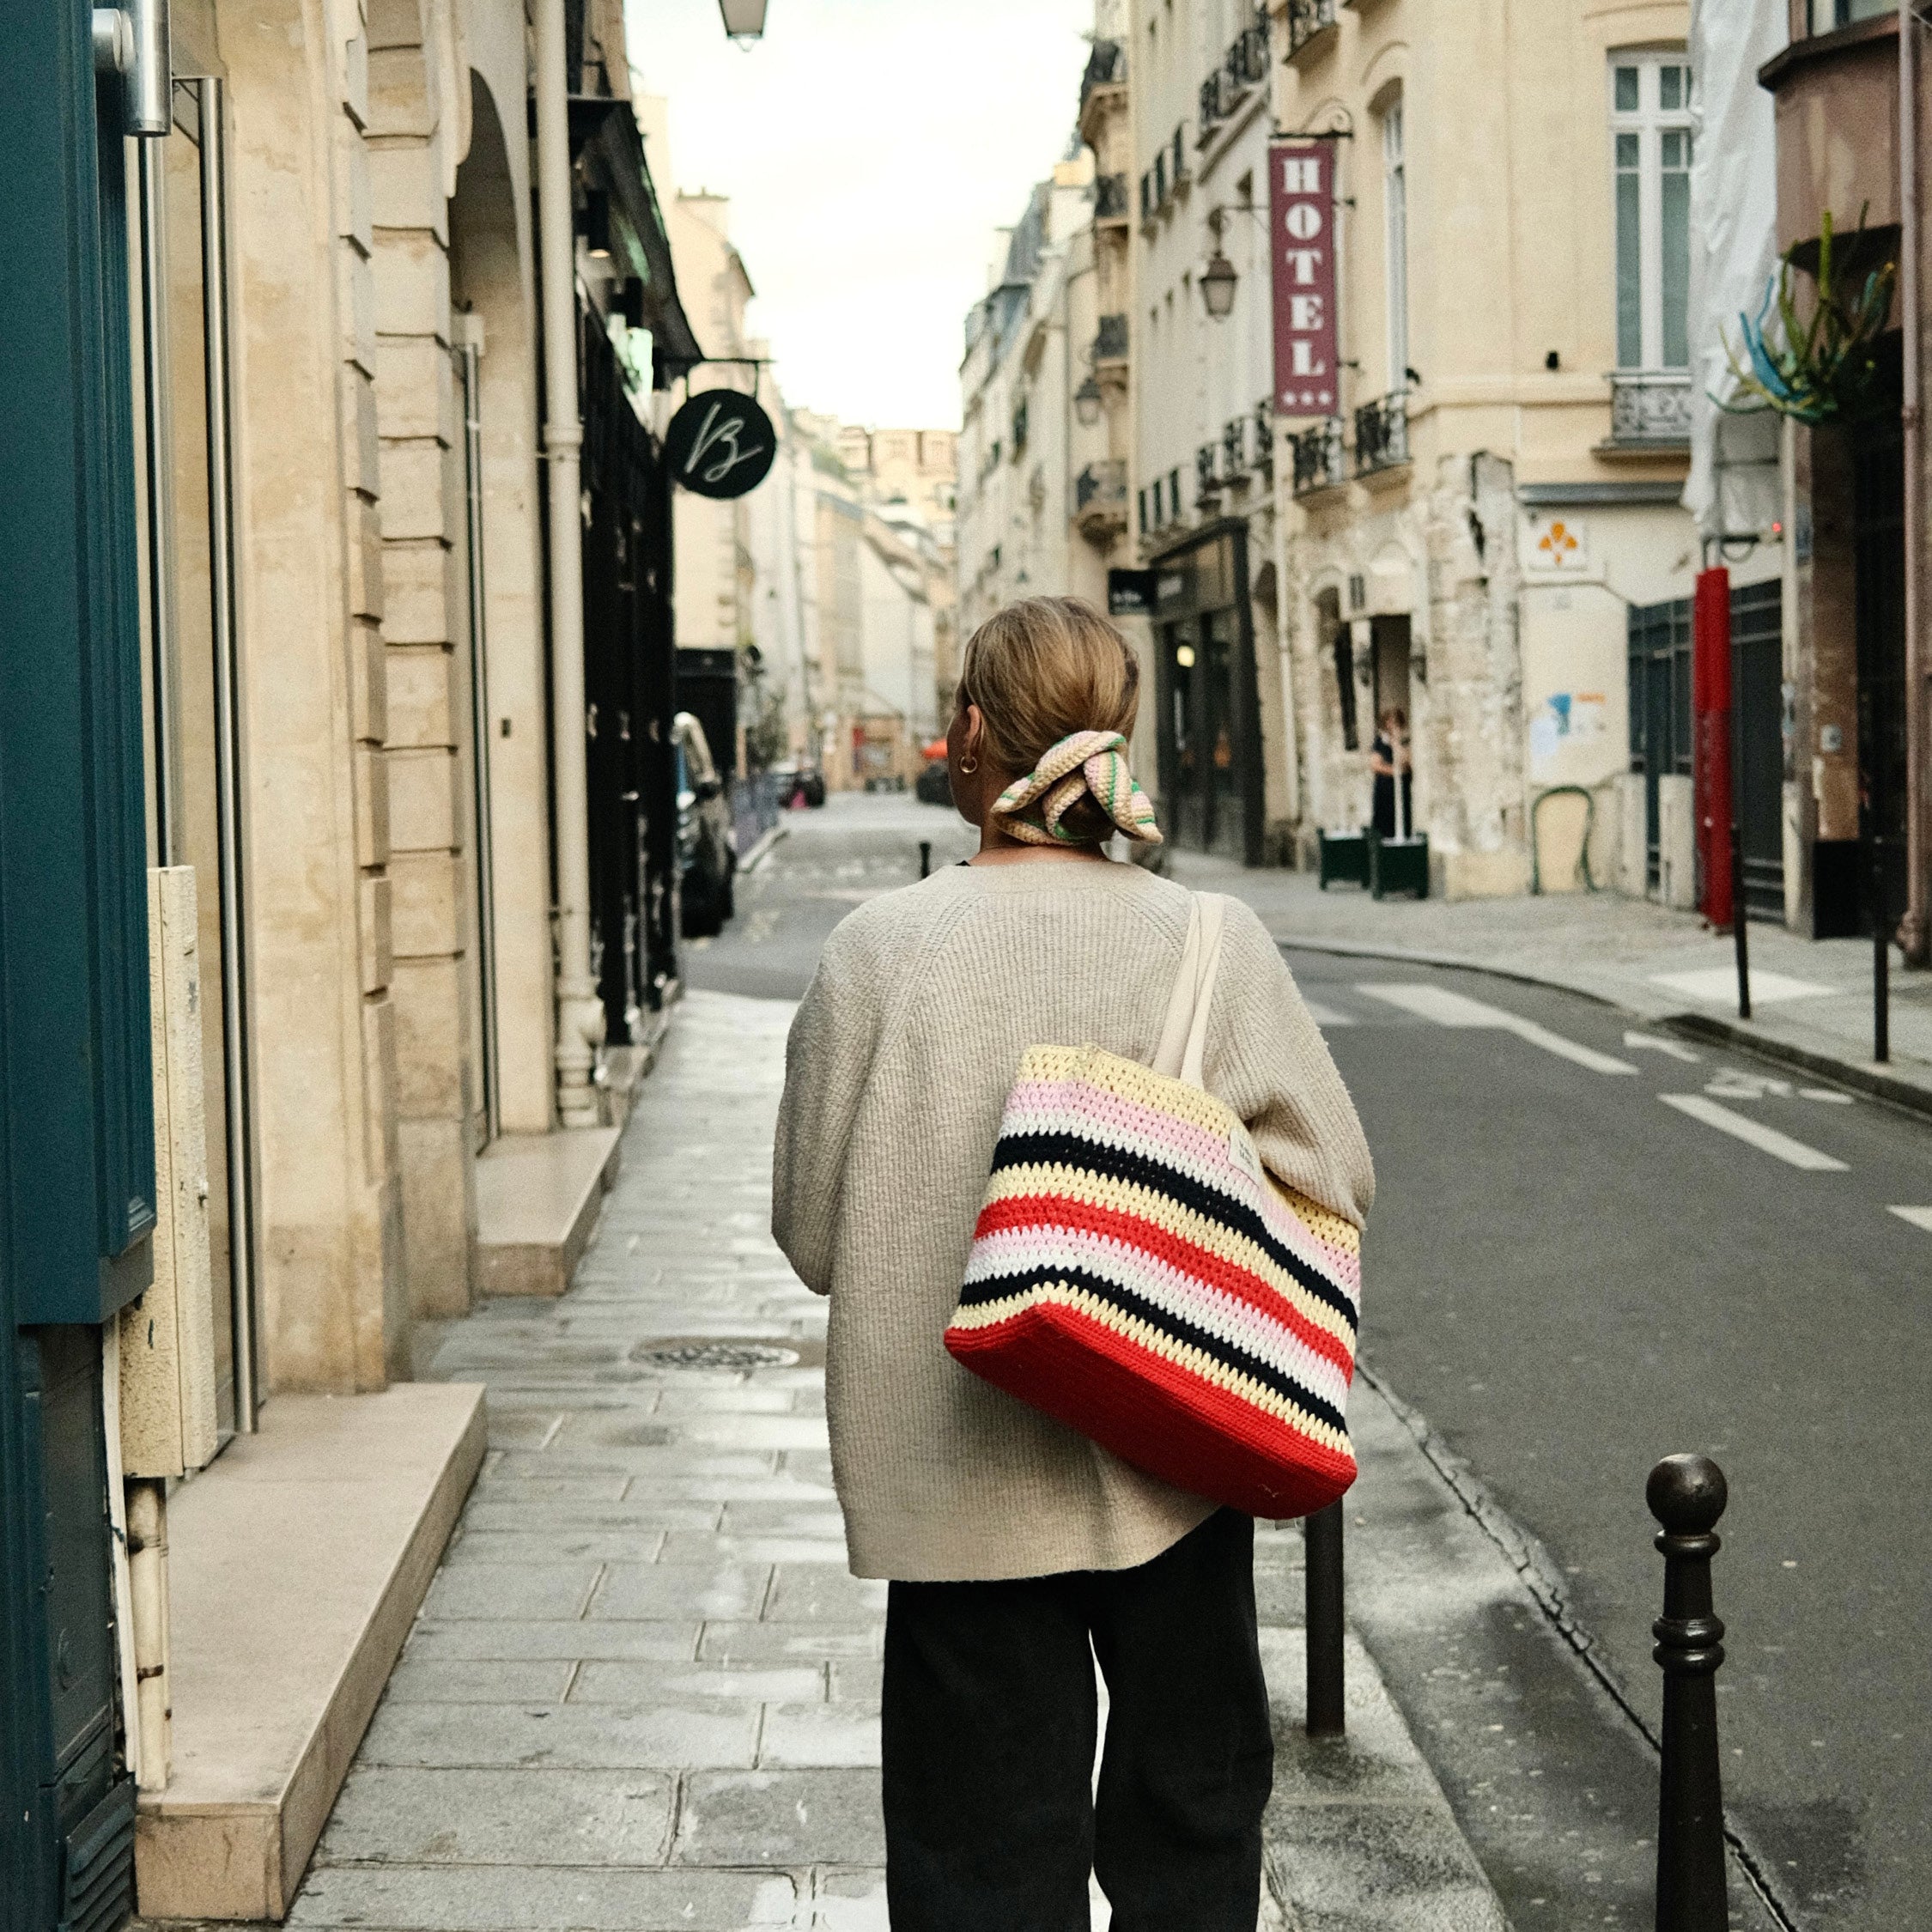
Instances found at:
x=642 y=1693
x=1811 y=998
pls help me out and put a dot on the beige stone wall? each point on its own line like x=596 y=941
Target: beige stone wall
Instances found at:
x=413 y=130
x=334 y=1313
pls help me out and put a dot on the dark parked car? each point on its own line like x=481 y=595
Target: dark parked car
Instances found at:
x=934 y=784
x=707 y=855
x=800 y=784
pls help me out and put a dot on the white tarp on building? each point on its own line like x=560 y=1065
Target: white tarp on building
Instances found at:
x=1734 y=487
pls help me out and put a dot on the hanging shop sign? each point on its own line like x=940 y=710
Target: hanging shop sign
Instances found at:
x=1301 y=249
x=1130 y=593
x=720 y=444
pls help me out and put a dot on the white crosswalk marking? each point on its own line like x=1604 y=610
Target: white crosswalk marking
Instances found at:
x=1327 y=1016
x=1445 y=1008
x=1769 y=1140
x=1671 y=1049
x=1919 y=1217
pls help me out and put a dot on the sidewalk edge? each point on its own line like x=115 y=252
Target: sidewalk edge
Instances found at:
x=1860 y=1077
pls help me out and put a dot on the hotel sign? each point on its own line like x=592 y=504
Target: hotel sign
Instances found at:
x=1301 y=249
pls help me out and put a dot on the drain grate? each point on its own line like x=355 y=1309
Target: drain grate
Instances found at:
x=716 y=1354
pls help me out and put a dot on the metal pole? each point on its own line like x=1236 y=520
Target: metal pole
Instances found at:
x=1738 y=921
x=1881 y=945
x=1913 y=934
x=926 y=858
x=1686 y=1494
x=469 y=361
x=580 y=1011
x=228 y=760
x=1321 y=1537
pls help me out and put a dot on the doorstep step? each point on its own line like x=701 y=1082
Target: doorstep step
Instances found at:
x=296 y=1564
x=537 y=1200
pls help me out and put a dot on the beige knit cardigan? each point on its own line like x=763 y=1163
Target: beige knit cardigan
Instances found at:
x=896 y=1071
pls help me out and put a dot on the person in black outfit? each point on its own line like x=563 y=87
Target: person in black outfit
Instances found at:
x=1388 y=755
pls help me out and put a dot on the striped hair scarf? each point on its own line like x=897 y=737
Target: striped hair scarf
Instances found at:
x=1087 y=764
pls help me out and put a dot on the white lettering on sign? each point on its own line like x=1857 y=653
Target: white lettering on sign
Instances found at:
x=1307 y=341
x=723 y=437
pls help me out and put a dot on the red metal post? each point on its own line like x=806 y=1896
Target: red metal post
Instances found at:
x=1710 y=706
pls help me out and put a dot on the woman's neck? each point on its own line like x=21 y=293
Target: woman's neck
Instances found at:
x=1001 y=848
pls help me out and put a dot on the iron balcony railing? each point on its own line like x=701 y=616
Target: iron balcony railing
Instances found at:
x=1147 y=203
x=1650 y=406
x=1106 y=68
x=1264 y=438
x=1110 y=344
x=1234 y=448
x=1320 y=459
x=1382 y=433
x=1306 y=19
x=1101 y=487
x=1020 y=410
x=1177 y=167
x=1244 y=66
x=1207 y=475
x=1110 y=199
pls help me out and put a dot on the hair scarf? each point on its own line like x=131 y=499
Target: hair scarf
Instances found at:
x=1092 y=765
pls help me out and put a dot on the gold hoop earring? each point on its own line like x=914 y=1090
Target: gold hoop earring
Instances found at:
x=967 y=767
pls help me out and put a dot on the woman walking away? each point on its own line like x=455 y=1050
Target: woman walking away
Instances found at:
x=1018 y=1551
x=1389 y=760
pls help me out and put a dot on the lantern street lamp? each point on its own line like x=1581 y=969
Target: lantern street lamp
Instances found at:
x=1218 y=283
x=745 y=20
x=1086 y=403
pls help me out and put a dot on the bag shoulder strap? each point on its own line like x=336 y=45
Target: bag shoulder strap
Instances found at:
x=1183 y=1043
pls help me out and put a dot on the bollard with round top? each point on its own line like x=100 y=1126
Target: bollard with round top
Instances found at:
x=1686 y=1495
x=926 y=858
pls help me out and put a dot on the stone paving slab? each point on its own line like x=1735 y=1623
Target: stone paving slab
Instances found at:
x=643 y=1691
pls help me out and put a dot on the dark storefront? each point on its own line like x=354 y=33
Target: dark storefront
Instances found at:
x=1205 y=702
x=629 y=657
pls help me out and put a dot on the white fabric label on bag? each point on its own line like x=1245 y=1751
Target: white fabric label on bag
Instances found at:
x=1241 y=1153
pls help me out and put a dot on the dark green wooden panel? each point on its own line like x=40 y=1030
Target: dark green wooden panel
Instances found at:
x=79 y=1189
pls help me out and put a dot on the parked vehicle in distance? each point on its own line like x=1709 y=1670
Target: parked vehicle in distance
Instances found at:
x=799 y=783
x=933 y=786
x=707 y=854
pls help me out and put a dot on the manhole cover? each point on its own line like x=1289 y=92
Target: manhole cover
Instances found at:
x=716 y=1354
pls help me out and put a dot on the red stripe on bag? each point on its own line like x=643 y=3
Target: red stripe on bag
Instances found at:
x=1021 y=1213
x=1103 y=1384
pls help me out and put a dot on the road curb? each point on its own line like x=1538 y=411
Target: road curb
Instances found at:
x=760 y=848
x=1857 y=1076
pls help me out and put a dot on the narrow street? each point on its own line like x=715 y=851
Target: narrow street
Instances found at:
x=1594 y=1244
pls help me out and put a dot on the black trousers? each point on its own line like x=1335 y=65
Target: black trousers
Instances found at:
x=991 y=1821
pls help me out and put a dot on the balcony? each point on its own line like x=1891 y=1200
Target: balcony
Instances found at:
x=1650 y=409
x=1110 y=345
x=1244 y=68
x=1208 y=482
x=1264 y=439
x=1104 y=81
x=1100 y=500
x=1234 y=450
x=1306 y=21
x=1381 y=434
x=1110 y=204
x=1179 y=177
x=1021 y=412
x=1321 y=462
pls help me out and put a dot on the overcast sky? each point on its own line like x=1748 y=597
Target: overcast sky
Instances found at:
x=870 y=147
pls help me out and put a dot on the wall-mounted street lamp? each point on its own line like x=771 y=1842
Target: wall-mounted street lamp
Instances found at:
x=745 y=20
x=1087 y=403
x=1218 y=283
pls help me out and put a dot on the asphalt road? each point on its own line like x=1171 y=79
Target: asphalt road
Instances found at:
x=1590 y=1248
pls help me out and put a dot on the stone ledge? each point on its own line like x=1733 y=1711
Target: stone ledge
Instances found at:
x=537 y=1200
x=296 y=1565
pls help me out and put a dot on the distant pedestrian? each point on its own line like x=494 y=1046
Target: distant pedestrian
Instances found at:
x=1018 y=1551
x=1389 y=759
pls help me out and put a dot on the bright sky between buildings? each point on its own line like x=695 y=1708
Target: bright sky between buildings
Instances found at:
x=870 y=149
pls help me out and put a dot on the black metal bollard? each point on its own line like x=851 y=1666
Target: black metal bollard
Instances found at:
x=1686 y=1495
x=1321 y=1541
x=1740 y=941
x=926 y=858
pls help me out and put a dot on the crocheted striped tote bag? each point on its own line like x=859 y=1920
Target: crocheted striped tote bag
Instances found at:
x=1137 y=1273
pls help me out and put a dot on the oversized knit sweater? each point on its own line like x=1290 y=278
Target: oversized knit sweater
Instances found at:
x=896 y=1072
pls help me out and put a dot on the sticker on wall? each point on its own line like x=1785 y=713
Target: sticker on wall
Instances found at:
x=1565 y=720
x=1557 y=546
